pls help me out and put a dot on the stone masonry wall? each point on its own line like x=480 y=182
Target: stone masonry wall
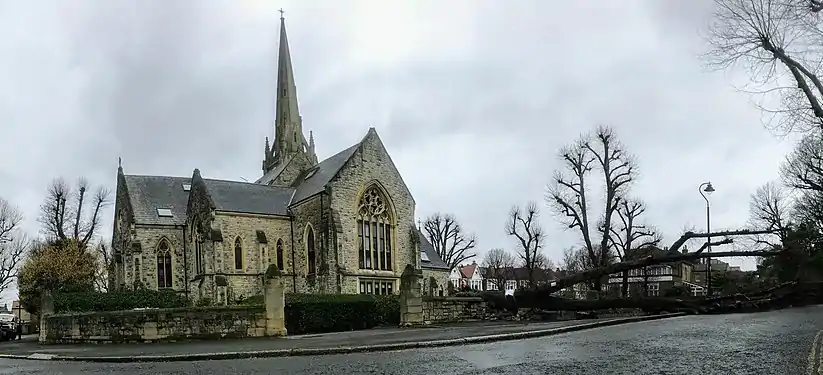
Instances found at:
x=156 y=325
x=149 y=238
x=314 y=211
x=257 y=256
x=371 y=164
x=441 y=278
x=453 y=309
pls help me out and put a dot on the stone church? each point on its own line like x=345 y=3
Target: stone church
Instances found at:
x=341 y=225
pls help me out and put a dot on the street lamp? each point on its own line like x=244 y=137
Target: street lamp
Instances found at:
x=707 y=189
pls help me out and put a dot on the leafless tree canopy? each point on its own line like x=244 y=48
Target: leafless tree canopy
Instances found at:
x=13 y=243
x=524 y=226
x=770 y=208
x=779 y=42
x=104 y=276
x=630 y=233
x=68 y=214
x=499 y=265
x=446 y=235
x=567 y=195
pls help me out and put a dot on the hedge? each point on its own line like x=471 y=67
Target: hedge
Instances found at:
x=116 y=301
x=309 y=313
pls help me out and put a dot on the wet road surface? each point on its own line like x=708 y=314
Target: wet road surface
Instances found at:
x=775 y=343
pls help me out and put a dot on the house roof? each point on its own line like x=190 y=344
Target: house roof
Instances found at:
x=434 y=262
x=468 y=271
x=652 y=251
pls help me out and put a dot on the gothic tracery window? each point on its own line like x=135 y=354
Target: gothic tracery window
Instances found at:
x=374 y=231
x=164 y=274
x=238 y=254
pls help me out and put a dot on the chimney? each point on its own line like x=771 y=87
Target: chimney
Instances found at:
x=474 y=263
x=685 y=250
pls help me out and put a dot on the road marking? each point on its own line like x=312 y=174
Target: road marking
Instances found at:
x=813 y=367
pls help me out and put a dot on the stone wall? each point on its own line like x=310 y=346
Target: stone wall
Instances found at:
x=454 y=309
x=440 y=287
x=156 y=325
x=152 y=325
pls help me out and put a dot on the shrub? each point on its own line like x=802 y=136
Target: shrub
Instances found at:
x=56 y=267
x=115 y=301
x=307 y=313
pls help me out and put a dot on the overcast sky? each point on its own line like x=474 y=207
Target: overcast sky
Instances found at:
x=472 y=98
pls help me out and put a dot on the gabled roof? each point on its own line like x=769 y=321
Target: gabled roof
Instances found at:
x=435 y=262
x=148 y=193
x=468 y=271
x=321 y=174
x=234 y=196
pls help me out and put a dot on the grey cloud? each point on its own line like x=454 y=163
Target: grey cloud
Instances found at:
x=174 y=86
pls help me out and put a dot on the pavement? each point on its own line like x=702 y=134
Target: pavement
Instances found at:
x=786 y=342
x=305 y=345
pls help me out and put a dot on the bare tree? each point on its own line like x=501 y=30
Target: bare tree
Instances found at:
x=13 y=243
x=104 y=274
x=499 y=265
x=773 y=38
x=446 y=235
x=525 y=227
x=68 y=214
x=568 y=192
x=630 y=234
x=770 y=208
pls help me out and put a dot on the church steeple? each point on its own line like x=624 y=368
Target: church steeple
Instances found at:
x=288 y=124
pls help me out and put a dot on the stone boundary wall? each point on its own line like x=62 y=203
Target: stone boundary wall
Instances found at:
x=454 y=309
x=153 y=325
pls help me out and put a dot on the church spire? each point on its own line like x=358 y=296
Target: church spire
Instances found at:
x=288 y=124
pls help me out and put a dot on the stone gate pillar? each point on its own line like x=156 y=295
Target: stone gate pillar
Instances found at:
x=411 y=301
x=275 y=300
x=46 y=309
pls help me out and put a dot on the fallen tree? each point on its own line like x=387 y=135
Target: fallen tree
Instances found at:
x=542 y=297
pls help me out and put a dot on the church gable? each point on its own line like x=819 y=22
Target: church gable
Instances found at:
x=371 y=160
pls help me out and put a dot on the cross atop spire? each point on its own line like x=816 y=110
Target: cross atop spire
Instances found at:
x=281 y=13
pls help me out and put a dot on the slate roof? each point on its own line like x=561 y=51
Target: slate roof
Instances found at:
x=322 y=174
x=234 y=196
x=435 y=262
x=148 y=193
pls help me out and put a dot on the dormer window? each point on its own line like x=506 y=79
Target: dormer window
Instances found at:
x=424 y=257
x=311 y=173
x=186 y=187
x=164 y=212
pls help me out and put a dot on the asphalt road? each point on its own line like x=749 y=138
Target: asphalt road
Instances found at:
x=774 y=343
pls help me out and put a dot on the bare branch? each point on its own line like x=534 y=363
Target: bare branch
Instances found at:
x=448 y=239
x=524 y=226
x=13 y=243
x=70 y=215
x=499 y=265
x=772 y=39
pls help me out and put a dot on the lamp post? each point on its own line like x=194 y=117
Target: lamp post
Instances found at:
x=707 y=189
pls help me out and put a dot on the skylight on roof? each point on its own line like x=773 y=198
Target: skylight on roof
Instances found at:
x=424 y=257
x=311 y=173
x=164 y=212
x=186 y=187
